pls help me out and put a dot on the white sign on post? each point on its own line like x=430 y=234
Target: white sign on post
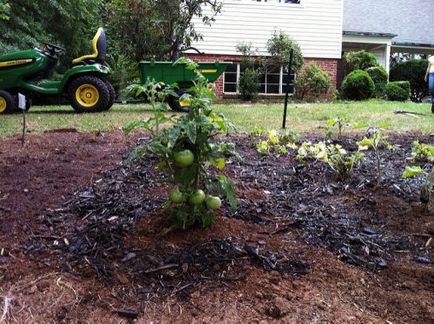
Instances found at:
x=21 y=101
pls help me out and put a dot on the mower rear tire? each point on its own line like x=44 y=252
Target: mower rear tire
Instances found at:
x=112 y=94
x=8 y=103
x=88 y=94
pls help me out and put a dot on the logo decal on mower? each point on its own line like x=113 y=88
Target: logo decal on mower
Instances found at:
x=15 y=62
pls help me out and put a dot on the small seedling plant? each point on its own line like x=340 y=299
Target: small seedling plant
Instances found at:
x=422 y=153
x=335 y=156
x=339 y=124
x=193 y=160
x=376 y=143
x=278 y=142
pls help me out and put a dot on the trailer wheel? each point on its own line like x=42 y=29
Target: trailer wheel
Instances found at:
x=174 y=103
x=112 y=94
x=89 y=94
x=8 y=104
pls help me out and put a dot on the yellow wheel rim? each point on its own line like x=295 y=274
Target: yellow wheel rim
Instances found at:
x=3 y=105
x=87 y=95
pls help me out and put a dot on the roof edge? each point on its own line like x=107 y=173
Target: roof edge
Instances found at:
x=410 y=44
x=369 y=34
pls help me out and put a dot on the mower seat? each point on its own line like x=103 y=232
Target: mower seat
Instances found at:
x=99 y=46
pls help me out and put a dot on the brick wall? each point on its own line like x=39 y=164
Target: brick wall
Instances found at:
x=328 y=65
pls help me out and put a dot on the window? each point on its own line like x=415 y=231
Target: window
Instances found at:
x=278 y=1
x=271 y=82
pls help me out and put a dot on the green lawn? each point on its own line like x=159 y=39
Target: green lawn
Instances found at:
x=301 y=117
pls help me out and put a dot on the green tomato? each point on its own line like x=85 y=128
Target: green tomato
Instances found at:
x=213 y=202
x=176 y=196
x=184 y=159
x=197 y=198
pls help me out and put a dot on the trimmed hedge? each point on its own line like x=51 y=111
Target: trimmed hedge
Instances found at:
x=358 y=85
x=398 y=91
x=412 y=71
x=379 y=76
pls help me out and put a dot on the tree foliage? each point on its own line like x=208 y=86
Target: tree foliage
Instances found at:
x=279 y=47
x=159 y=29
x=4 y=9
x=68 y=23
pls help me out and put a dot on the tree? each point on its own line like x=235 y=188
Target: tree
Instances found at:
x=68 y=23
x=160 y=29
x=279 y=47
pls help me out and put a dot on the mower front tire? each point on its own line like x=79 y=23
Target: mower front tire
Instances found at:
x=88 y=94
x=8 y=103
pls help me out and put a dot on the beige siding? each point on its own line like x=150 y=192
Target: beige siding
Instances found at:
x=315 y=24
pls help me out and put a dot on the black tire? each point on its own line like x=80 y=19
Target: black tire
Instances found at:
x=112 y=94
x=88 y=94
x=8 y=104
x=432 y=107
x=174 y=104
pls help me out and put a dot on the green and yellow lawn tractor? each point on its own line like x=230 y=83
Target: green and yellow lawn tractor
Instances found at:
x=85 y=84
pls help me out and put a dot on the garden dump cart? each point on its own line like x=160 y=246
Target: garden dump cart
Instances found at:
x=174 y=72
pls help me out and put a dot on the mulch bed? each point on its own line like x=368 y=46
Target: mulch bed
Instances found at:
x=303 y=245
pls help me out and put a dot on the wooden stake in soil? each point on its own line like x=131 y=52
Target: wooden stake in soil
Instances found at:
x=22 y=105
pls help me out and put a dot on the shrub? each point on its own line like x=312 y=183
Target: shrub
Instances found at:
x=249 y=84
x=379 y=76
x=312 y=82
x=412 y=71
x=279 y=47
x=360 y=60
x=249 y=79
x=398 y=90
x=358 y=85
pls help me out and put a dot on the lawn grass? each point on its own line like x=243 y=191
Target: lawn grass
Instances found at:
x=301 y=117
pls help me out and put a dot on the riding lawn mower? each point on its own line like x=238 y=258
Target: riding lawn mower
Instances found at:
x=84 y=84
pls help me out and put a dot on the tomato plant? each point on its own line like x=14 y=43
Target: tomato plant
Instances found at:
x=188 y=151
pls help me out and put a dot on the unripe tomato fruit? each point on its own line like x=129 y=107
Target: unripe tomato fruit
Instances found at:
x=184 y=158
x=176 y=196
x=197 y=198
x=213 y=202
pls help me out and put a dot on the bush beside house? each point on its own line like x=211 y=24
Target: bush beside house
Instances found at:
x=312 y=82
x=412 y=71
x=358 y=85
x=379 y=75
x=397 y=90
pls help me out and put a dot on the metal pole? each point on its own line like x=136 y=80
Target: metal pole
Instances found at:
x=291 y=57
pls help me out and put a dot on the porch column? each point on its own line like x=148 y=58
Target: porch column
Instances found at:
x=387 y=59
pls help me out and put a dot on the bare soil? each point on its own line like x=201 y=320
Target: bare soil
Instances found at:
x=83 y=238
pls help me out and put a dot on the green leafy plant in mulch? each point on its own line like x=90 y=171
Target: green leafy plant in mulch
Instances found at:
x=334 y=155
x=279 y=142
x=422 y=154
x=193 y=160
x=376 y=142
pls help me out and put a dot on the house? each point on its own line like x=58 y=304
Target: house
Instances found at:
x=387 y=27
x=315 y=24
x=324 y=29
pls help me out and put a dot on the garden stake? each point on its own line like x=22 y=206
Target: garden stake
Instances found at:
x=291 y=56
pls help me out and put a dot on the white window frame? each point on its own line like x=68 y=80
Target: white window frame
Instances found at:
x=281 y=85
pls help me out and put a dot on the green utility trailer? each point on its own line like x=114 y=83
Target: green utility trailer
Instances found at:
x=174 y=72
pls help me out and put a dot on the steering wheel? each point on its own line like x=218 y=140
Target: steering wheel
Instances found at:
x=53 y=49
